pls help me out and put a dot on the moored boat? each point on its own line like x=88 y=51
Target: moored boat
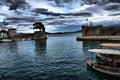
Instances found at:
x=108 y=58
x=107 y=54
x=5 y=40
x=103 y=68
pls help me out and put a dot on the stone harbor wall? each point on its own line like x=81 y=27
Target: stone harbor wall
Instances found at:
x=38 y=35
x=100 y=31
x=22 y=36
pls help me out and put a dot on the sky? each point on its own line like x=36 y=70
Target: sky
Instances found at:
x=58 y=15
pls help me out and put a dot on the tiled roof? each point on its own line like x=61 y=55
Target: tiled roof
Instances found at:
x=3 y=31
x=12 y=29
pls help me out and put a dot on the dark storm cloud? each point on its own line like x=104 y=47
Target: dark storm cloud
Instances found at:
x=101 y=1
x=113 y=7
x=40 y=10
x=114 y=1
x=15 y=4
x=46 y=12
x=21 y=18
x=61 y=2
x=82 y=2
x=96 y=1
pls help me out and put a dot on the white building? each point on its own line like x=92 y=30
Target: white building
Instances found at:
x=3 y=34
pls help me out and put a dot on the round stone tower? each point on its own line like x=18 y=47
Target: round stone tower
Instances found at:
x=11 y=32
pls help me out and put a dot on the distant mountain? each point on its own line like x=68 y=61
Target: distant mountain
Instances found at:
x=78 y=31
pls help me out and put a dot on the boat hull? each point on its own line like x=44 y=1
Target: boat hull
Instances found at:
x=108 y=72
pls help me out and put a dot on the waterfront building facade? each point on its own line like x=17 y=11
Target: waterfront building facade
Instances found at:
x=3 y=34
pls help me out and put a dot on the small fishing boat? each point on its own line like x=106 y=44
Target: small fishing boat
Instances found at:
x=5 y=40
x=107 y=54
x=103 y=68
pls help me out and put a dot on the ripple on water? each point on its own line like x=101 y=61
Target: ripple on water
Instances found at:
x=57 y=58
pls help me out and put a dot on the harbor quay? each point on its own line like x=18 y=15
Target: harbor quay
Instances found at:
x=101 y=33
x=100 y=38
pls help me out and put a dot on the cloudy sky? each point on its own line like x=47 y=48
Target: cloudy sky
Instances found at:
x=58 y=15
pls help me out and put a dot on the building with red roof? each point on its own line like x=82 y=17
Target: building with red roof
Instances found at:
x=3 y=34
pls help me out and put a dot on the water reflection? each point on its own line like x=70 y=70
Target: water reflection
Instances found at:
x=40 y=56
x=40 y=46
x=6 y=49
x=9 y=47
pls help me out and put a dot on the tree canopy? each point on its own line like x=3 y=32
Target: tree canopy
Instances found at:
x=39 y=25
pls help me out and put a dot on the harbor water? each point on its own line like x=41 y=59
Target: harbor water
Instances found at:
x=60 y=57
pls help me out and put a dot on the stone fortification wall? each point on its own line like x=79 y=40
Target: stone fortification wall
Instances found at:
x=100 y=30
x=39 y=35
